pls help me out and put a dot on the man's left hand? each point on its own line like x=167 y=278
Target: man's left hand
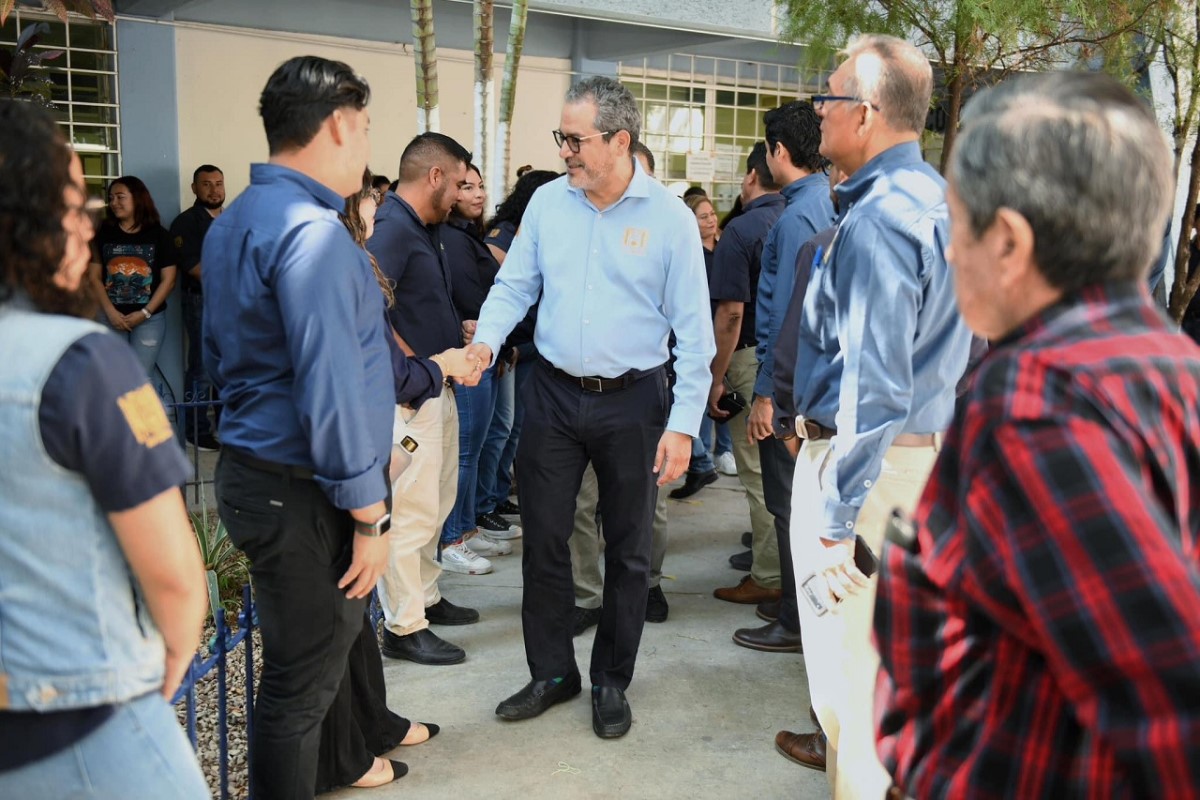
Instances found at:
x=762 y=416
x=839 y=570
x=674 y=453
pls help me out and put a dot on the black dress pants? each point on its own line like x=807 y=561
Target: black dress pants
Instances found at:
x=778 y=469
x=299 y=545
x=618 y=432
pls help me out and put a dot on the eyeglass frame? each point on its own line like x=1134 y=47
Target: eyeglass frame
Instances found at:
x=819 y=100
x=561 y=138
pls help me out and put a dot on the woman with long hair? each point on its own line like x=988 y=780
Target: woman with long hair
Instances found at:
x=104 y=593
x=133 y=268
x=360 y=726
x=465 y=547
x=500 y=444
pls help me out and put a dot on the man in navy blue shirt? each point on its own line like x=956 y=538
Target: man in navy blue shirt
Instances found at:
x=407 y=246
x=294 y=340
x=737 y=261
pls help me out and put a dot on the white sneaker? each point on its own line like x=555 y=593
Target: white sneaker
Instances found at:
x=460 y=558
x=725 y=464
x=485 y=546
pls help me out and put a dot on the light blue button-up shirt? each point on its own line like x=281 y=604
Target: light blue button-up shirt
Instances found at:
x=902 y=343
x=809 y=211
x=614 y=284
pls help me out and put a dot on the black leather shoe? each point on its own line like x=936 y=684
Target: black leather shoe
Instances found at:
x=507 y=509
x=768 y=610
x=770 y=638
x=693 y=483
x=537 y=697
x=585 y=618
x=742 y=561
x=443 y=612
x=656 y=605
x=611 y=716
x=747 y=539
x=422 y=647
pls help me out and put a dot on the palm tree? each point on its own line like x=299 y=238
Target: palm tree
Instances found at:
x=426 y=58
x=508 y=91
x=485 y=107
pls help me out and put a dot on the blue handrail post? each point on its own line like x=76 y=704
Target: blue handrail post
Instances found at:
x=193 y=668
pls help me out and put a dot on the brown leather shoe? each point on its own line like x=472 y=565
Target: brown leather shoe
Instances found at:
x=806 y=749
x=747 y=592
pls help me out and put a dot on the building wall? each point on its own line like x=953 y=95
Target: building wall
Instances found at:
x=221 y=71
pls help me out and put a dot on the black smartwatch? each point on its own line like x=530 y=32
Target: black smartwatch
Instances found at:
x=377 y=528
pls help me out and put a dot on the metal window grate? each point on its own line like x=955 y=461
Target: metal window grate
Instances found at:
x=701 y=115
x=85 y=93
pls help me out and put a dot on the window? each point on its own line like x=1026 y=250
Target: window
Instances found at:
x=84 y=93
x=702 y=115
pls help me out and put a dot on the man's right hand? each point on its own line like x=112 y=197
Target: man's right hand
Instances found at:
x=459 y=363
x=715 y=394
x=480 y=353
x=367 y=564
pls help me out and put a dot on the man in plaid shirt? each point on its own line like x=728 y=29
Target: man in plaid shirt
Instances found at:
x=1041 y=635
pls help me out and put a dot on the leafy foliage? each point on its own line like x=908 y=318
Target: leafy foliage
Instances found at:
x=226 y=567
x=89 y=8
x=19 y=73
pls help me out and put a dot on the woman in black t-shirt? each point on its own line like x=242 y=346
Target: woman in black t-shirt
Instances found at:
x=133 y=266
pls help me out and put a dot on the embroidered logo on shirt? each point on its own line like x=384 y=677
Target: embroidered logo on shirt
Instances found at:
x=145 y=416
x=636 y=240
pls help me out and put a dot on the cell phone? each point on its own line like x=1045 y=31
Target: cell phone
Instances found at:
x=732 y=404
x=402 y=456
x=864 y=559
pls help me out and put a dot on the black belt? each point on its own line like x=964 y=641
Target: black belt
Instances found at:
x=593 y=383
x=285 y=470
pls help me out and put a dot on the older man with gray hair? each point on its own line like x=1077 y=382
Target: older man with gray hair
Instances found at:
x=618 y=265
x=1039 y=634
x=881 y=348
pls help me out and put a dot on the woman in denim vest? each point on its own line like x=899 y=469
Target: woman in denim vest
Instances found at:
x=101 y=586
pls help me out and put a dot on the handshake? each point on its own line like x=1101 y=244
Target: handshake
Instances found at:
x=465 y=364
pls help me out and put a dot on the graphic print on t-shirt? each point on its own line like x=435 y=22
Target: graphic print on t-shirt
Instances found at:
x=129 y=277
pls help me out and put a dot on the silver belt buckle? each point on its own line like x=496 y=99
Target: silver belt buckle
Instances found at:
x=804 y=431
x=591 y=384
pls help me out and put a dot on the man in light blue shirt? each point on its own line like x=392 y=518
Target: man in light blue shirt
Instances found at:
x=889 y=316
x=618 y=265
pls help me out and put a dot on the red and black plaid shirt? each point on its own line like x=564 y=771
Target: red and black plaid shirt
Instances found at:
x=1044 y=641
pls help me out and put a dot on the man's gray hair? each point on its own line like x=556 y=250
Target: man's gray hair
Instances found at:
x=902 y=87
x=1082 y=160
x=616 y=108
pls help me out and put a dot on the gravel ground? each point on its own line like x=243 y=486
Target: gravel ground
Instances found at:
x=206 y=717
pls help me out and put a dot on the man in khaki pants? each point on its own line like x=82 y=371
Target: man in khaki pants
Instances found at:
x=882 y=346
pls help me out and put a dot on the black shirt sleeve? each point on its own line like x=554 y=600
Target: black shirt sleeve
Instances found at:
x=185 y=236
x=99 y=416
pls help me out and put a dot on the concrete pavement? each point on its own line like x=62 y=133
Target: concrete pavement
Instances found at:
x=705 y=711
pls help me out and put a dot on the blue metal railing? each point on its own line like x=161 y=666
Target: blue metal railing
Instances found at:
x=223 y=643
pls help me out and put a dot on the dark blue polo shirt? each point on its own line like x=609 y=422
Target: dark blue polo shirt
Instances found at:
x=473 y=268
x=410 y=254
x=738 y=255
x=188 y=232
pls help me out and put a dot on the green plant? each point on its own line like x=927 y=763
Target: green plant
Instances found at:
x=226 y=568
x=19 y=73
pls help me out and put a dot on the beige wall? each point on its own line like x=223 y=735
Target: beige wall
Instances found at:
x=221 y=71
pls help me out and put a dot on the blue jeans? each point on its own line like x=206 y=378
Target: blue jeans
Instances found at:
x=139 y=753
x=146 y=339
x=495 y=444
x=701 y=449
x=724 y=439
x=502 y=475
x=197 y=388
x=475 y=405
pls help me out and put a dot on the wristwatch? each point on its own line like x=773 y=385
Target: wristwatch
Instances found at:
x=146 y=311
x=377 y=528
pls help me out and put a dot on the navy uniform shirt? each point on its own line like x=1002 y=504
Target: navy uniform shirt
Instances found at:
x=294 y=336
x=737 y=259
x=411 y=256
x=473 y=268
x=187 y=231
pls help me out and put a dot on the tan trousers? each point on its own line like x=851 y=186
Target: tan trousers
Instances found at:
x=422 y=498
x=585 y=543
x=839 y=656
x=743 y=368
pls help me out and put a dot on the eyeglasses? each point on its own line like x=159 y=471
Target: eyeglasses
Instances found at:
x=819 y=100
x=574 y=142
